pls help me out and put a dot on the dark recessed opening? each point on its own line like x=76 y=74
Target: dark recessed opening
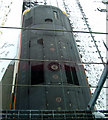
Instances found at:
x=48 y=20
x=37 y=74
x=71 y=75
x=75 y=78
x=68 y=74
x=40 y=41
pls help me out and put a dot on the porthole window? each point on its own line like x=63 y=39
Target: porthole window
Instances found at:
x=48 y=20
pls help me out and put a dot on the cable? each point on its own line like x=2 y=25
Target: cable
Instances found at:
x=49 y=85
x=65 y=61
x=58 y=30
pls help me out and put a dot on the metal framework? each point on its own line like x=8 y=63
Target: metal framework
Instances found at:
x=49 y=115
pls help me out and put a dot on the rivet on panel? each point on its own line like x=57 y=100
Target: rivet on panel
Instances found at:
x=51 y=44
x=49 y=83
x=70 y=104
x=47 y=92
x=47 y=104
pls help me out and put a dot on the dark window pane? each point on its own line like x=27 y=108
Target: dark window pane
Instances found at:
x=37 y=74
x=71 y=75
x=74 y=76
x=68 y=74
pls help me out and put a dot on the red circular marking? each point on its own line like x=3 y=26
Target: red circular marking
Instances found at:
x=54 y=66
x=55 y=76
x=52 y=49
x=58 y=99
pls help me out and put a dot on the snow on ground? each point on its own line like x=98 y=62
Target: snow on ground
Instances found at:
x=95 y=17
x=97 y=22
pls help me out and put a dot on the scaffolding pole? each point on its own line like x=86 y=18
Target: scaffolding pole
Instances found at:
x=99 y=87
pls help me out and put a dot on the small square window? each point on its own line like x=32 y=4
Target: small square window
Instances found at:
x=55 y=15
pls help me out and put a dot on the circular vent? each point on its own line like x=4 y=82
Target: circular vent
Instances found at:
x=54 y=66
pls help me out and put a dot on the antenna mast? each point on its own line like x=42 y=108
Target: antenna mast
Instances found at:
x=45 y=2
x=30 y=4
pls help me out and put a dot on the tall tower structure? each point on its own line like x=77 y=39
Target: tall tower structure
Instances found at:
x=51 y=77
